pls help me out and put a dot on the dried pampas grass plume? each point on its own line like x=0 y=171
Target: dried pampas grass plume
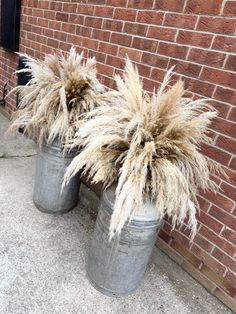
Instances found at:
x=61 y=90
x=150 y=146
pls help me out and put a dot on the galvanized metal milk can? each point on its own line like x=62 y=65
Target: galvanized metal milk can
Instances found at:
x=116 y=268
x=51 y=164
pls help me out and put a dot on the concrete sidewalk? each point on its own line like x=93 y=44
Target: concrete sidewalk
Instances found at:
x=42 y=258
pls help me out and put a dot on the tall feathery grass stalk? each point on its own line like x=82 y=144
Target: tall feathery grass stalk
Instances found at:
x=61 y=90
x=150 y=146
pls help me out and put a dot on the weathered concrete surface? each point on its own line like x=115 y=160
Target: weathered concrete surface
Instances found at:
x=13 y=144
x=42 y=258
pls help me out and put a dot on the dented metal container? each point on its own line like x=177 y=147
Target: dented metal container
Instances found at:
x=51 y=164
x=116 y=268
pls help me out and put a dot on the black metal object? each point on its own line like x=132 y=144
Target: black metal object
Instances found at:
x=10 y=24
x=4 y=93
x=23 y=79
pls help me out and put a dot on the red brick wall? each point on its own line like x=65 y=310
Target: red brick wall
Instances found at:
x=198 y=36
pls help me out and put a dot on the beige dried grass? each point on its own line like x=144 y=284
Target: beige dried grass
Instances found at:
x=61 y=90
x=150 y=146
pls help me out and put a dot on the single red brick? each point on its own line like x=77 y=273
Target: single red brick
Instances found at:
x=150 y=17
x=105 y=69
x=117 y=3
x=143 y=70
x=68 y=28
x=60 y=36
x=225 y=259
x=161 y=33
x=100 y=57
x=93 y=22
x=115 y=62
x=144 y=44
x=112 y=25
x=52 y=42
x=56 y=25
x=173 y=5
x=38 y=13
x=218 y=200
x=96 y=1
x=60 y=16
x=224 y=126
x=223 y=217
x=125 y=14
x=232 y=114
x=230 y=191
x=183 y=21
x=74 y=39
x=26 y=27
x=103 y=11
x=226 y=143
x=225 y=43
x=90 y=43
x=231 y=277
x=43 y=22
x=51 y=15
x=230 y=8
x=136 y=29
x=199 y=87
x=57 y=6
x=85 y=9
x=84 y=31
x=219 y=77
x=185 y=68
x=218 y=241
x=217 y=25
x=173 y=50
x=108 y=48
x=69 y=7
x=101 y=35
x=212 y=58
x=64 y=46
x=231 y=63
x=76 y=19
x=210 y=222
x=208 y=259
x=194 y=39
x=137 y=4
x=133 y=54
x=233 y=164
x=179 y=237
x=121 y=39
x=203 y=243
x=226 y=95
x=155 y=60
x=203 y=204
x=229 y=235
x=203 y=7
x=158 y=75
x=150 y=85
x=231 y=176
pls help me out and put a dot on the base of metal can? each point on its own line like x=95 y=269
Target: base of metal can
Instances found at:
x=107 y=292
x=116 y=267
x=51 y=164
x=51 y=212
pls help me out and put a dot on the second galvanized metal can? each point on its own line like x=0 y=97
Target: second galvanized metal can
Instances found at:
x=51 y=164
x=116 y=268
